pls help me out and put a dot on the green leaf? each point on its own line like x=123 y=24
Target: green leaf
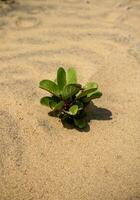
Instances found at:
x=70 y=90
x=73 y=110
x=90 y=85
x=80 y=123
x=96 y=95
x=84 y=93
x=49 y=101
x=71 y=75
x=50 y=86
x=92 y=96
x=80 y=105
x=52 y=104
x=89 y=88
x=59 y=106
x=45 y=101
x=61 y=78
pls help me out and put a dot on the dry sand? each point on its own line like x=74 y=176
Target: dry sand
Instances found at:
x=39 y=158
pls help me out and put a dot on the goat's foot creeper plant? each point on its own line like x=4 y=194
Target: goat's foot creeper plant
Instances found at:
x=69 y=99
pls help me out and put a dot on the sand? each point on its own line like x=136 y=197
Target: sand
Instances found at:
x=39 y=158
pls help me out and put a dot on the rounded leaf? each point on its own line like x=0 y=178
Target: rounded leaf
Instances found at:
x=71 y=75
x=52 y=104
x=92 y=96
x=80 y=123
x=90 y=85
x=61 y=78
x=84 y=93
x=49 y=101
x=45 y=101
x=73 y=110
x=50 y=86
x=59 y=105
x=89 y=88
x=70 y=90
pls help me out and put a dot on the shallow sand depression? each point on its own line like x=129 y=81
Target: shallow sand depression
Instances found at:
x=39 y=158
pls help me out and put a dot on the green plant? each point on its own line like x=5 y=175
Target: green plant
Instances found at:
x=69 y=99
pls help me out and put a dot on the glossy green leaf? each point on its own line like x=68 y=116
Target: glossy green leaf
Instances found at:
x=70 y=90
x=84 y=93
x=61 y=78
x=90 y=85
x=73 y=110
x=80 y=123
x=52 y=104
x=49 y=101
x=71 y=76
x=50 y=86
x=92 y=96
x=45 y=101
x=89 y=88
x=59 y=106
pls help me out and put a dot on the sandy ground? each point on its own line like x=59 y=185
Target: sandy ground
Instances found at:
x=39 y=158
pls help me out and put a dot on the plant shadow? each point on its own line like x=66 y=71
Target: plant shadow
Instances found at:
x=93 y=112
x=98 y=113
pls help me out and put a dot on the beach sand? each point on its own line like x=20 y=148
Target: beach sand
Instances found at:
x=39 y=158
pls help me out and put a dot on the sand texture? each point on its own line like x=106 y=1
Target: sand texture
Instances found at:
x=39 y=158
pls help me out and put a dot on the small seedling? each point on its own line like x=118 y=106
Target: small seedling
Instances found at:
x=69 y=99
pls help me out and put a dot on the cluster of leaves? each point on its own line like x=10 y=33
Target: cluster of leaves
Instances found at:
x=68 y=98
